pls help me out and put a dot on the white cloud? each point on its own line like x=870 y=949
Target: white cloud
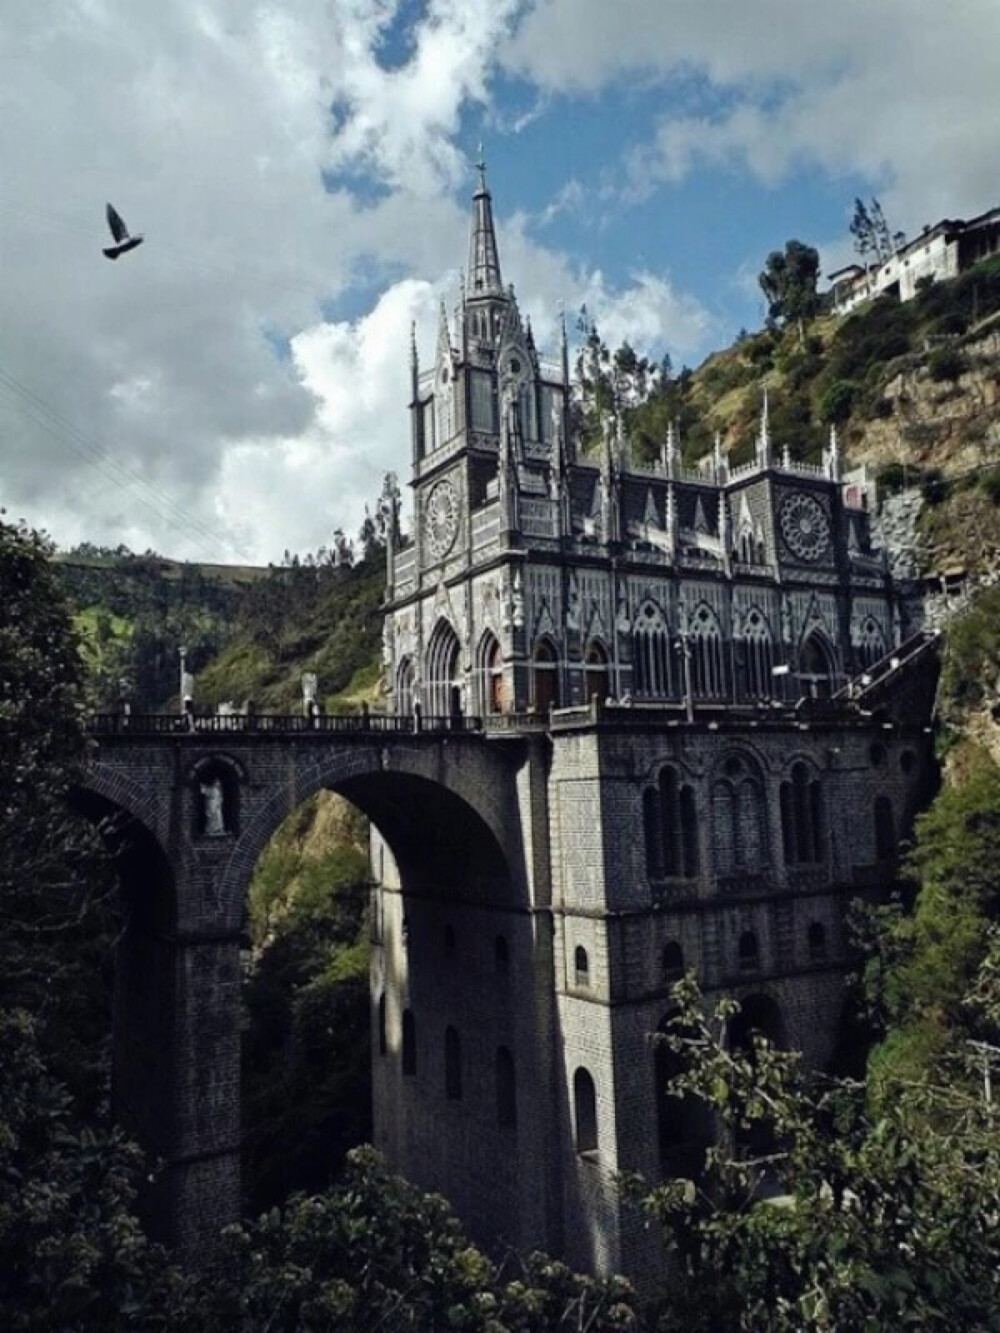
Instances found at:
x=320 y=479
x=906 y=95
x=130 y=393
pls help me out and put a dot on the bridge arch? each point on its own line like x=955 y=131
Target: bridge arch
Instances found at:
x=447 y=824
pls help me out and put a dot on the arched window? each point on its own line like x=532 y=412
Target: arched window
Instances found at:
x=817 y=666
x=409 y=1042
x=816 y=940
x=404 y=687
x=581 y=966
x=443 y=675
x=501 y=955
x=870 y=647
x=444 y=410
x=597 y=679
x=759 y=656
x=489 y=669
x=672 y=961
x=758 y=1016
x=802 y=819
x=688 y=833
x=651 y=674
x=749 y=952
x=885 y=829
x=545 y=676
x=680 y=1120
x=506 y=1081
x=452 y=1065
x=671 y=828
x=738 y=816
x=708 y=676
x=383 y=1044
x=585 y=1109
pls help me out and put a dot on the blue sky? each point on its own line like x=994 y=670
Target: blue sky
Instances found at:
x=302 y=173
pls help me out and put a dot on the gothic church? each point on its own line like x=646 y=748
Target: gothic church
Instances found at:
x=676 y=659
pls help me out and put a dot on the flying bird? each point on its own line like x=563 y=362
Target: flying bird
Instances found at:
x=123 y=241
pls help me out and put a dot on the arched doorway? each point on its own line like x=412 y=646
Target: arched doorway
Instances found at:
x=597 y=676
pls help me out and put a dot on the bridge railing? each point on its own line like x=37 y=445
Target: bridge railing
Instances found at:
x=170 y=724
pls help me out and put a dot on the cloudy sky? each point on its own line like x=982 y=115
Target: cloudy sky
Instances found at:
x=301 y=170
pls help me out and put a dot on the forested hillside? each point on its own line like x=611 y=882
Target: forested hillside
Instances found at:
x=249 y=632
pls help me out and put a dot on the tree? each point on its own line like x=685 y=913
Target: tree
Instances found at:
x=876 y=1222
x=873 y=239
x=788 y=280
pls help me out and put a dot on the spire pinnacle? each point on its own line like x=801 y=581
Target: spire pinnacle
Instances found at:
x=483 y=272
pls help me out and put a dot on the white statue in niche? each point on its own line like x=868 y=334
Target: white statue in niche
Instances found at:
x=212 y=799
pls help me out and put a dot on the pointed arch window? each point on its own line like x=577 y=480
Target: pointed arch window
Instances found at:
x=671 y=827
x=383 y=1043
x=817 y=666
x=597 y=677
x=758 y=655
x=404 y=687
x=870 y=647
x=651 y=674
x=444 y=407
x=443 y=673
x=708 y=676
x=489 y=669
x=545 y=676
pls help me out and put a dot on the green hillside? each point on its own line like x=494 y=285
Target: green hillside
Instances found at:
x=249 y=632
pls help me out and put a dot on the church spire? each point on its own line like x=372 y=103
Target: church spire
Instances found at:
x=483 y=274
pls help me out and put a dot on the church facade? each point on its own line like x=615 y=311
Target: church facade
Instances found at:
x=648 y=633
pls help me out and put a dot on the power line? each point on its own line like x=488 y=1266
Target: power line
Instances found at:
x=149 y=496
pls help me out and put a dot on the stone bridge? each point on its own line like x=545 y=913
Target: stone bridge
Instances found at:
x=540 y=882
x=189 y=805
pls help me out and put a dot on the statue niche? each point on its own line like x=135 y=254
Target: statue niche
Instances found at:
x=216 y=803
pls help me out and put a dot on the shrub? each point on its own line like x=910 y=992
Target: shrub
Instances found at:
x=946 y=364
x=838 y=400
x=989 y=484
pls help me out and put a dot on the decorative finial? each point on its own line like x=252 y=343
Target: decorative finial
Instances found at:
x=481 y=168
